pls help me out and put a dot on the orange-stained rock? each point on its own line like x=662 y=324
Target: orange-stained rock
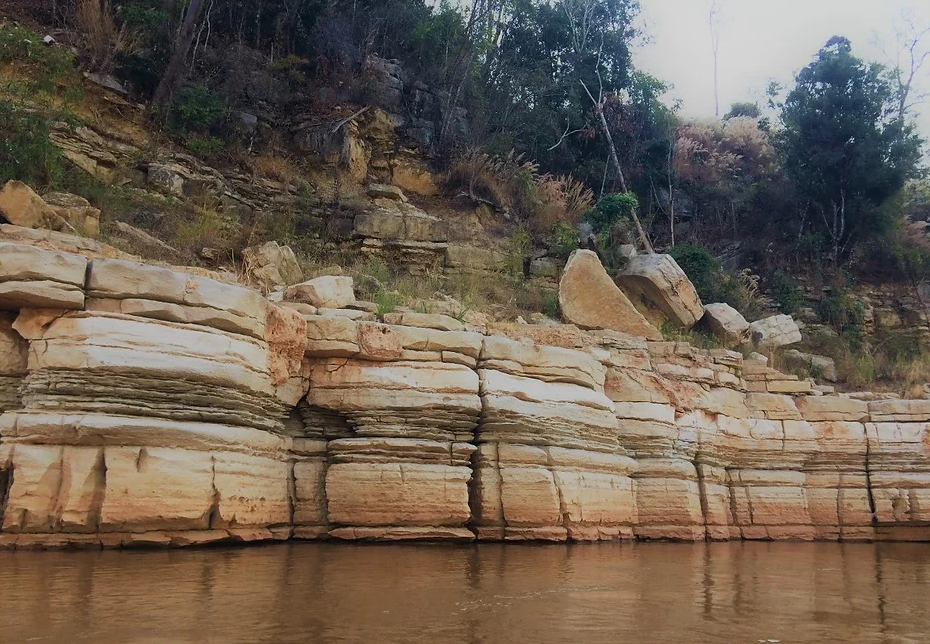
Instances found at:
x=20 y=206
x=590 y=299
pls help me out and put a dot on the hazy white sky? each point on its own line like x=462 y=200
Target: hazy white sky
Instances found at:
x=761 y=40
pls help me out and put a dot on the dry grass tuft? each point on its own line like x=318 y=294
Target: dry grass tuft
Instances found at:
x=103 y=40
x=513 y=185
x=278 y=168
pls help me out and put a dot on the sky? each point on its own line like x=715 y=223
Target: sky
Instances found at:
x=763 y=40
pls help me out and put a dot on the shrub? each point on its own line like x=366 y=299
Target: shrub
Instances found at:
x=387 y=301
x=25 y=151
x=292 y=67
x=551 y=305
x=208 y=148
x=519 y=246
x=702 y=269
x=784 y=292
x=508 y=183
x=204 y=228
x=713 y=284
x=841 y=310
x=564 y=240
x=102 y=39
x=195 y=109
x=611 y=210
x=556 y=201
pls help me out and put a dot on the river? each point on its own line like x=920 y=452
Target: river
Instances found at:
x=328 y=592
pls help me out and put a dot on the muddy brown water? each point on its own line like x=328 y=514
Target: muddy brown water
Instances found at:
x=639 y=593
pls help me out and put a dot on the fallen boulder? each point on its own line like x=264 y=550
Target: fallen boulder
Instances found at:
x=726 y=323
x=776 y=331
x=328 y=291
x=591 y=300
x=75 y=210
x=20 y=206
x=271 y=264
x=661 y=290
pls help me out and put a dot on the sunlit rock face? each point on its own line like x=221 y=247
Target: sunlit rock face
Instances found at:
x=549 y=463
x=152 y=416
x=145 y=406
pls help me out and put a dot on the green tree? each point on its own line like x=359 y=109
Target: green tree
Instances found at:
x=743 y=109
x=844 y=147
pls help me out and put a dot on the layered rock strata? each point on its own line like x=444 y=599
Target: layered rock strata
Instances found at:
x=144 y=406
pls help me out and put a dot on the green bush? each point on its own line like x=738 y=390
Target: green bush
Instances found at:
x=702 y=269
x=784 y=292
x=387 y=301
x=208 y=148
x=25 y=151
x=196 y=109
x=551 y=305
x=564 y=240
x=841 y=310
x=610 y=210
x=519 y=247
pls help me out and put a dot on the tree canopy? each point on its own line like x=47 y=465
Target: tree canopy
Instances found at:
x=844 y=147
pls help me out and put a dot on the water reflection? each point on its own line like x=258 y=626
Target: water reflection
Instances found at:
x=740 y=592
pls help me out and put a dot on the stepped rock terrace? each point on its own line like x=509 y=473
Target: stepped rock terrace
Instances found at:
x=146 y=406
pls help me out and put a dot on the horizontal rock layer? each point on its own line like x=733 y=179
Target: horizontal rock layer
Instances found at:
x=140 y=406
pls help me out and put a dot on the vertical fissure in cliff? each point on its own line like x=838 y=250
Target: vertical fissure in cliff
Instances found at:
x=702 y=492
x=100 y=490
x=213 y=514
x=868 y=478
x=6 y=484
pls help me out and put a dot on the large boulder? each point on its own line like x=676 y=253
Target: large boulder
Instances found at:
x=776 y=331
x=75 y=210
x=271 y=264
x=661 y=290
x=726 y=323
x=21 y=206
x=591 y=300
x=328 y=291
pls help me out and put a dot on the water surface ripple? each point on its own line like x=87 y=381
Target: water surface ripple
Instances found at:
x=319 y=592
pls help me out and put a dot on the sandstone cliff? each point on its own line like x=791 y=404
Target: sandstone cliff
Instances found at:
x=147 y=406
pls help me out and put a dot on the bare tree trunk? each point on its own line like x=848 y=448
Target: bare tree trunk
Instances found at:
x=605 y=130
x=715 y=47
x=182 y=44
x=671 y=196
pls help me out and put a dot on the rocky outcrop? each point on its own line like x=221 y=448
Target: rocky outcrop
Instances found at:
x=144 y=406
x=661 y=290
x=590 y=299
x=819 y=367
x=549 y=464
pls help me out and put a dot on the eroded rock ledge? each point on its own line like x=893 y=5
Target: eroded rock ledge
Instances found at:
x=144 y=406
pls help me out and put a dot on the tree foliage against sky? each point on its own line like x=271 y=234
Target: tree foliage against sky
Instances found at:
x=844 y=146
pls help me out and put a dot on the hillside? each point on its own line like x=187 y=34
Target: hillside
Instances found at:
x=370 y=171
